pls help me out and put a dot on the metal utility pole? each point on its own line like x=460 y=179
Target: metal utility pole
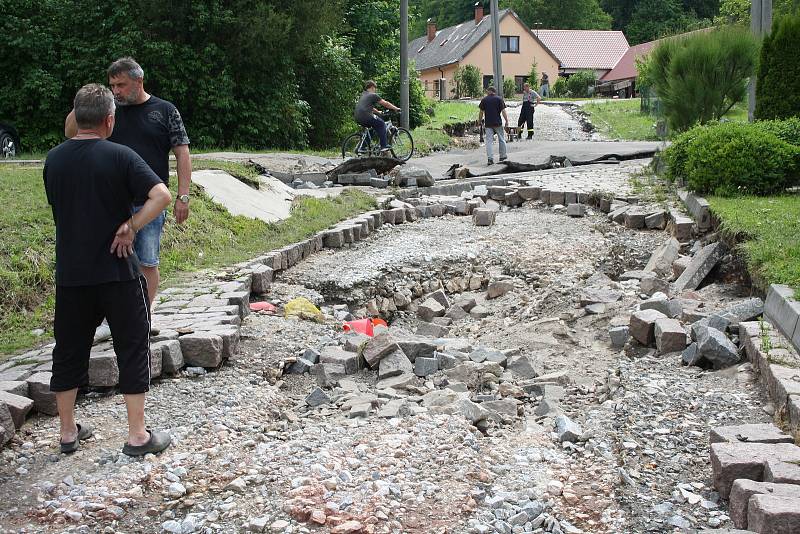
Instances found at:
x=760 y=25
x=496 y=54
x=404 y=99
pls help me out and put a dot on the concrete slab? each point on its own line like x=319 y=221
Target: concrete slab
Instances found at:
x=270 y=204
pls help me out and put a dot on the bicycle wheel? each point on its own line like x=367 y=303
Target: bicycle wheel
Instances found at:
x=402 y=144
x=351 y=146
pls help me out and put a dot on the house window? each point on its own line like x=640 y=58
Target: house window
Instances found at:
x=519 y=81
x=487 y=81
x=509 y=44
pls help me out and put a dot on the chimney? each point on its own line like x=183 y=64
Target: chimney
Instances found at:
x=478 y=12
x=431 y=30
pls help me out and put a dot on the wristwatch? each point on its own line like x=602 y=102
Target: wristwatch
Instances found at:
x=184 y=198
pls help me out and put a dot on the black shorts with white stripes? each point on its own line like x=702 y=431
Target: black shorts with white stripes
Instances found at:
x=79 y=310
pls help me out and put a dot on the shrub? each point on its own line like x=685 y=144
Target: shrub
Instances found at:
x=778 y=86
x=533 y=77
x=677 y=155
x=579 y=84
x=389 y=89
x=509 y=88
x=787 y=130
x=468 y=81
x=738 y=159
x=560 y=88
x=701 y=77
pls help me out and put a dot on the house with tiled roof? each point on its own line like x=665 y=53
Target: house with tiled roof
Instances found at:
x=439 y=53
x=576 y=50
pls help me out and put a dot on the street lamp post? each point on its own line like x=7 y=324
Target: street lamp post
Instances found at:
x=496 y=53
x=404 y=86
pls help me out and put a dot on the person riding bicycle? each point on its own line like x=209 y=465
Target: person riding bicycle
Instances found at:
x=366 y=114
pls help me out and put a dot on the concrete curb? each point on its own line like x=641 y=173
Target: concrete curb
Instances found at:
x=782 y=310
x=699 y=209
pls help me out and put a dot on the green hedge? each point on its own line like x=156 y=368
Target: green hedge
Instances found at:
x=778 y=86
x=729 y=159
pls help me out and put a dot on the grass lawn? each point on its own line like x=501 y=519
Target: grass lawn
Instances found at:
x=210 y=238
x=770 y=229
x=621 y=119
x=431 y=136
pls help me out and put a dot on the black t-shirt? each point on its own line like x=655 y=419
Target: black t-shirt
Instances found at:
x=151 y=129
x=91 y=185
x=492 y=105
x=364 y=107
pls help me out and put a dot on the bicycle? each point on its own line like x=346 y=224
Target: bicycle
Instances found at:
x=365 y=143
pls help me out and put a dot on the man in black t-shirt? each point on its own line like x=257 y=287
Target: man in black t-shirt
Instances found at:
x=152 y=127
x=91 y=185
x=492 y=106
x=365 y=112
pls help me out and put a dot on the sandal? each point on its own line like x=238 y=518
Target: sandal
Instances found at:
x=84 y=432
x=158 y=442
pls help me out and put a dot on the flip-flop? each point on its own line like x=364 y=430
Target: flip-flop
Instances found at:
x=84 y=432
x=158 y=441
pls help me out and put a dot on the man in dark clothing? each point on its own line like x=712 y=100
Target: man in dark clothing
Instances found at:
x=492 y=106
x=529 y=99
x=91 y=185
x=544 y=85
x=152 y=127
x=365 y=113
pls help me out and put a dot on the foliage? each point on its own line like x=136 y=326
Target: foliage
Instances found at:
x=559 y=89
x=389 y=89
x=786 y=130
x=730 y=159
x=373 y=29
x=468 y=81
x=654 y=19
x=330 y=82
x=509 y=88
x=644 y=71
x=566 y=14
x=778 y=85
x=699 y=78
x=533 y=77
x=769 y=227
x=444 y=12
x=738 y=11
x=581 y=84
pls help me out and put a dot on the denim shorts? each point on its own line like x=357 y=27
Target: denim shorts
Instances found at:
x=148 y=240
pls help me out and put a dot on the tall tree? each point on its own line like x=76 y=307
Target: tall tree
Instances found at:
x=444 y=12
x=567 y=14
x=654 y=19
x=373 y=28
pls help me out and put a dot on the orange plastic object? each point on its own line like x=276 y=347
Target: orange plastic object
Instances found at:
x=362 y=326
x=265 y=307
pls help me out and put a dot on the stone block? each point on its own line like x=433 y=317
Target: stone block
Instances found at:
x=642 y=325
x=743 y=489
x=498 y=288
x=557 y=198
x=317 y=398
x=18 y=408
x=201 y=349
x=327 y=375
x=619 y=336
x=44 y=400
x=529 y=192
x=425 y=366
x=433 y=330
x=714 y=347
x=230 y=340
x=669 y=307
x=670 y=336
x=523 y=366
x=483 y=217
x=773 y=514
x=617 y=214
x=394 y=364
x=732 y=461
x=417 y=347
x=753 y=433
x=378 y=347
x=513 y=199
x=350 y=362
x=479 y=312
x=156 y=362
x=650 y=285
x=690 y=356
x=634 y=219
x=681 y=227
x=6 y=425
x=699 y=267
x=656 y=221
x=261 y=279
x=439 y=296
x=593 y=295
x=567 y=430
x=661 y=260
x=679 y=265
x=498 y=192
x=103 y=370
x=171 y=355
x=781 y=472
x=429 y=309
x=700 y=210
x=504 y=408
x=17 y=387
x=576 y=210
x=779 y=309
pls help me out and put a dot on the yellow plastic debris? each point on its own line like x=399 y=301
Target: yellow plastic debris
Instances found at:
x=303 y=308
